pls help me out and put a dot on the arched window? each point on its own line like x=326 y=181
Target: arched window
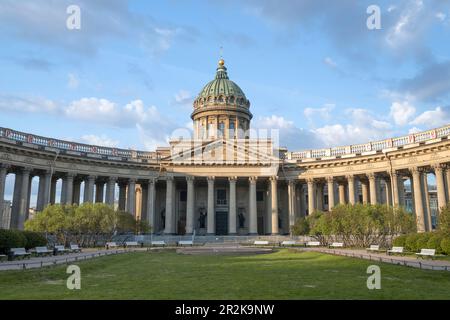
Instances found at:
x=231 y=130
x=221 y=130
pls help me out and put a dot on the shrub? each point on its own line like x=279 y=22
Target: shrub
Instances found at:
x=11 y=239
x=34 y=239
x=411 y=242
x=422 y=240
x=445 y=245
x=400 y=241
x=300 y=228
x=435 y=242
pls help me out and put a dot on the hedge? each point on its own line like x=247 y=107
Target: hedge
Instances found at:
x=20 y=239
x=413 y=242
x=400 y=241
x=445 y=245
x=435 y=242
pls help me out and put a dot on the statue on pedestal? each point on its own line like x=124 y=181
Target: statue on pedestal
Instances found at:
x=202 y=218
x=241 y=218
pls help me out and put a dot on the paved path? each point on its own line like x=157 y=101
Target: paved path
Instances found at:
x=382 y=257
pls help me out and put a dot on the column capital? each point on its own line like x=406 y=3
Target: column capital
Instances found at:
x=310 y=180
x=4 y=166
x=438 y=167
x=232 y=179
x=210 y=178
x=415 y=170
x=371 y=175
x=25 y=170
x=292 y=181
x=70 y=174
x=91 y=177
x=349 y=176
x=113 y=178
x=394 y=174
x=169 y=178
x=330 y=179
x=253 y=179
x=273 y=178
x=190 y=178
x=132 y=180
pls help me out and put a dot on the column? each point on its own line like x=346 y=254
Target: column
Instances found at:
x=76 y=191
x=311 y=195
x=373 y=188
x=232 y=216
x=52 y=194
x=319 y=196
x=122 y=195
x=330 y=187
x=418 y=201
x=151 y=196
x=426 y=202
x=110 y=190
x=388 y=186
x=190 y=205
x=253 y=226
x=364 y=191
x=291 y=199
x=274 y=204
x=401 y=191
x=351 y=189
x=99 y=191
x=169 y=206
x=20 y=214
x=89 y=189
x=341 y=187
x=3 y=172
x=447 y=180
x=438 y=172
x=40 y=196
x=395 y=190
x=67 y=189
x=211 y=227
x=131 y=197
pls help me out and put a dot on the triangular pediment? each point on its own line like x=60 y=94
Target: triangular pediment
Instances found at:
x=222 y=151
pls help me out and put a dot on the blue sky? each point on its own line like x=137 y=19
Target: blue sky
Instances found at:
x=311 y=69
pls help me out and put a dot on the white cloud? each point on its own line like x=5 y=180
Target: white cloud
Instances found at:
x=101 y=140
x=273 y=122
x=27 y=104
x=414 y=130
x=441 y=16
x=433 y=118
x=328 y=61
x=323 y=113
x=183 y=97
x=73 y=81
x=402 y=112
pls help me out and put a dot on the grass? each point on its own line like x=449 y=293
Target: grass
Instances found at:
x=280 y=275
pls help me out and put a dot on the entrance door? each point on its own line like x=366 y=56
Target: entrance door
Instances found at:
x=221 y=223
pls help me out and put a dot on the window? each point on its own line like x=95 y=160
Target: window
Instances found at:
x=221 y=197
x=183 y=196
x=260 y=196
x=221 y=129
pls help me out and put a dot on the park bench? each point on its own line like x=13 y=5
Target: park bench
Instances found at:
x=261 y=243
x=425 y=253
x=158 y=243
x=19 y=253
x=131 y=244
x=288 y=243
x=60 y=250
x=373 y=247
x=337 y=245
x=185 y=243
x=43 y=251
x=110 y=245
x=312 y=244
x=395 y=250
x=75 y=248
x=3 y=257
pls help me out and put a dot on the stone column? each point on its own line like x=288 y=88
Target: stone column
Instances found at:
x=52 y=195
x=190 y=205
x=233 y=209
x=395 y=189
x=447 y=180
x=40 y=194
x=3 y=172
x=364 y=191
x=76 y=191
x=19 y=217
x=341 y=187
x=438 y=172
x=319 y=196
x=67 y=188
x=373 y=188
x=418 y=201
x=131 y=197
x=211 y=214
x=110 y=191
x=388 y=186
x=330 y=187
x=151 y=196
x=274 y=204
x=401 y=191
x=99 y=191
x=89 y=189
x=426 y=202
x=169 y=206
x=351 y=189
x=311 y=195
x=253 y=225
x=292 y=201
x=122 y=195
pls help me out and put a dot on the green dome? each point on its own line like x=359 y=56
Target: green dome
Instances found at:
x=221 y=86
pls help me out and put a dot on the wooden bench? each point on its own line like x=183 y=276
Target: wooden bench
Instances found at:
x=75 y=248
x=373 y=247
x=426 y=253
x=185 y=243
x=312 y=244
x=43 y=251
x=131 y=244
x=261 y=243
x=395 y=250
x=110 y=245
x=158 y=243
x=337 y=245
x=60 y=250
x=288 y=243
x=19 y=253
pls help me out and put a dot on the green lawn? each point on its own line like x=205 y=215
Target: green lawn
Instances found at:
x=279 y=275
